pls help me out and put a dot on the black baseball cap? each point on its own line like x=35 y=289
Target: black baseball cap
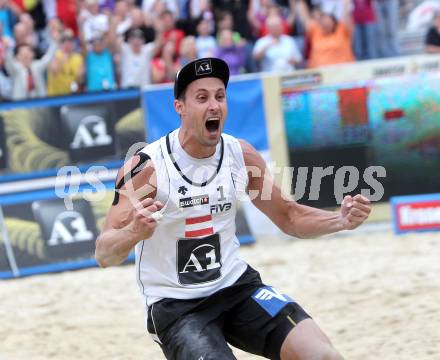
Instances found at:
x=200 y=68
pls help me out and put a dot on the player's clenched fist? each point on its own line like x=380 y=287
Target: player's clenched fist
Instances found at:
x=354 y=211
x=144 y=218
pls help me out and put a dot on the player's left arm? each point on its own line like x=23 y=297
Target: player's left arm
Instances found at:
x=293 y=218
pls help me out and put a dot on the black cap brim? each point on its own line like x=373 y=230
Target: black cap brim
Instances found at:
x=198 y=69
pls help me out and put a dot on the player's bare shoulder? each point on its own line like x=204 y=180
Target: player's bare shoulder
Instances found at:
x=136 y=178
x=250 y=155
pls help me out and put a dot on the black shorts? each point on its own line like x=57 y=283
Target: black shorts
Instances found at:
x=249 y=315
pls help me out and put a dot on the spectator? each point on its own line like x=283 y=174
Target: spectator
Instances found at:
x=66 y=71
x=28 y=74
x=205 y=42
x=92 y=22
x=7 y=18
x=54 y=24
x=66 y=11
x=257 y=14
x=24 y=33
x=239 y=11
x=233 y=54
x=4 y=41
x=122 y=14
x=387 y=12
x=420 y=16
x=334 y=7
x=432 y=41
x=136 y=57
x=138 y=22
x=5 y=81
x=364 y=29
x=196 y=8
x=165 y=67
x=100 y=69
x=35 y=11
x=276 y=52
x=167 y=24
x=330 y=40
x=188 y=50
x=261 y=10
x=156 y=7
x=225 y=22
x=108 y=6
x=190 y=11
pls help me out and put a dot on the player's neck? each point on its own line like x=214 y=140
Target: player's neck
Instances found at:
x=193 y=147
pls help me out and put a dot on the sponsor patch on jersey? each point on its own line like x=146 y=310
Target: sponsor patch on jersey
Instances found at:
x=194 y=201
x=198 y=260
x=271 y=300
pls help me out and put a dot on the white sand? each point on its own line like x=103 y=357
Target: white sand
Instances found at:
x=376 y=296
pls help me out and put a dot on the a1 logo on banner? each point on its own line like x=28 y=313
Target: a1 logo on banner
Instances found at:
x=89 y=132
x=69 y=227
x=67 y=234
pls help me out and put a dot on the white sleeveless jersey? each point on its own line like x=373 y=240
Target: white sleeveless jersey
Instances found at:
x=193 y=251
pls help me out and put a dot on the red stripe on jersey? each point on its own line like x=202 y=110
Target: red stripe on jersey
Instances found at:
x=201 y=232
x=196 y=220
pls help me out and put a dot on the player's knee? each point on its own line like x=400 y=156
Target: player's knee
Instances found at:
x=330 y=354
x=321 y=354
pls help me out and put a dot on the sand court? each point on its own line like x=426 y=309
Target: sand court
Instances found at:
x=375 y=294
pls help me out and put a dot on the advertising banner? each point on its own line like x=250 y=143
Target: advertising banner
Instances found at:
x=361 y=71
x=46 y=236
x=38 y=137
x=416 y=213
x=393 y=123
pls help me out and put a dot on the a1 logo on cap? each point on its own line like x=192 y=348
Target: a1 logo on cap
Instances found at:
x=203 y=67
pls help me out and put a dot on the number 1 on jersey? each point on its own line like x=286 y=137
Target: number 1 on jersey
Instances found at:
x=222 y=194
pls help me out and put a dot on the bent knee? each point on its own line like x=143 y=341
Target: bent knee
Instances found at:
x=322 y=354
x=330 y=354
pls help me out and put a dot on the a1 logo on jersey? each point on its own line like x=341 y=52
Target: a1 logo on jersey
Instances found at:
x=198 y=259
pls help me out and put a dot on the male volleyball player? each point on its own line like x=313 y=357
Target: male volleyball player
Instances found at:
x=176 y=203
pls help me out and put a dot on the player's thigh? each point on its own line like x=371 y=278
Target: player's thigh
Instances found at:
x=192 y=338
x=306 y=341
x=261 y=323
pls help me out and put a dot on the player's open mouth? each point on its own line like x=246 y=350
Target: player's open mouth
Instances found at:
x=212 y=124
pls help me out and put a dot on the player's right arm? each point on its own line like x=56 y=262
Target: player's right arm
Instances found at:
x=128 y=220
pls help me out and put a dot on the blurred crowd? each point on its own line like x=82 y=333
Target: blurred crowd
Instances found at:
x=58 y=47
